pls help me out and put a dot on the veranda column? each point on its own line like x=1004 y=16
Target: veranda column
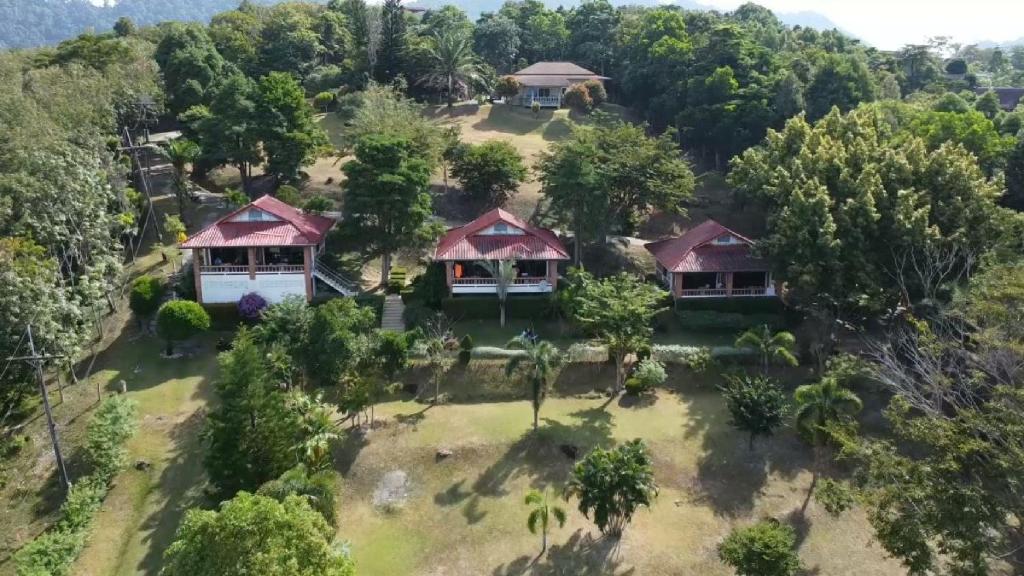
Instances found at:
x=552 y=273
x=252 y=263
x=449 y=271
x=197 y=266
x=728 y=283
x=677 y=284
x=307 y=271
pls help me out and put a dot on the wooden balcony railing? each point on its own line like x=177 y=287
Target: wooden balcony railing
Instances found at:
x=261 y=269
x=554 y=101
x=523 y=280
x=709 y=292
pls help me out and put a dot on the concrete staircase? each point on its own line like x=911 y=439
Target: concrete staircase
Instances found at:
x=391 y=318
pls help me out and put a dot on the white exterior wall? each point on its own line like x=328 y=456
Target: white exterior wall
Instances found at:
x=229 y=288
x=539 y=288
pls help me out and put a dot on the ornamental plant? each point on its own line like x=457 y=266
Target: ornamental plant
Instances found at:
x=251 y=306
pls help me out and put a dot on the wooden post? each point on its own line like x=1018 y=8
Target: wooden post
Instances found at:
x=307 y=271
x=728 y=283
x=197 y=266
x=252 y=263
x=553 y=273
x=449 y=274
x=677 y=284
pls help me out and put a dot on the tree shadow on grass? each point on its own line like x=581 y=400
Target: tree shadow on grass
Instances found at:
x=580 y=555
x=540 y=455
x=178 y=490
x=346 y=452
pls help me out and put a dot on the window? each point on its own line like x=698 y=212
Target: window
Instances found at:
x=544 y=92
x=725 y=239
x=501 y=228
x=256 y=215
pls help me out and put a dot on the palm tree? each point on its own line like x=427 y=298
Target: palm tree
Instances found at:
x=540 y=515
x=770 y=347
x=452 y=61
x=181 y=152
x=504 y=274
x=540 y=358
x=819 y=406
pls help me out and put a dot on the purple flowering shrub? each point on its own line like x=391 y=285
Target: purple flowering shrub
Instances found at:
x=251 y=306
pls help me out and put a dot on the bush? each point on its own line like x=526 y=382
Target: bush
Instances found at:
x=251 y=306
x=648 y=375
x=186 y=286
x=324 y=78
x=764 y=549
x=318 y=204
x=486 y=307
x=495 y=353
x=508 y=87
x=416 y=315
x=465 y=349
x=289 y=195
x=110 y=427
x=429 y=288
x=535 y=108
x=323 y=100
x=489 y=172
x=704 y=320
x=734 y=305
x=396 y=282
x=578 y=98
x=598 y=95
x=180 y=319
x=147 y=292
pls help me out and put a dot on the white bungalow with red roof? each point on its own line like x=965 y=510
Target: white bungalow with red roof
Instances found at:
x=266 y=247
x=710 y=260
x=495 y=236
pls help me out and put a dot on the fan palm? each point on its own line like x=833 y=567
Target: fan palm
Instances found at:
x=777 y=347
x=538 y=361
x=451 y=62
x=540 y=516
x=819 y=406
x=181 y=152
x=504 y=274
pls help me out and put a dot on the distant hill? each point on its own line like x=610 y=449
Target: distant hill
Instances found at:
x=29 y=23
x=1007 y=44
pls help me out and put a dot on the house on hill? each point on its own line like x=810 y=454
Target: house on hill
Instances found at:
x=495 y=236
x=710 y=260
x=1009 y=98
x=546 y=82
x=266 y=247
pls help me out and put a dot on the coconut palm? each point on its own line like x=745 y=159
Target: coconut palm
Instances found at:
x=538 y=361
x=181 y=152
x=540 y=516
x=452 y=62
x=819 y=406
x=771 y=347
x=504 y=274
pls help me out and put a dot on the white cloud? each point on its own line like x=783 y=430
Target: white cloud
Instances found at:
x=889 y=24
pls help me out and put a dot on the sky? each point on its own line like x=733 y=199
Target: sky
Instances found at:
x=889 y=24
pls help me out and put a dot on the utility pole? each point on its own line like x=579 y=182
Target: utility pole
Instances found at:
x=36 y=361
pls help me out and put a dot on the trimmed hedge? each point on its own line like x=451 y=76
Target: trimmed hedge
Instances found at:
x=707 y=319
x=486 y=307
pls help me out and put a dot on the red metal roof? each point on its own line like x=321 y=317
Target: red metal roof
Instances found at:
x=694 y=252
x=465 y=242
x=295 y=228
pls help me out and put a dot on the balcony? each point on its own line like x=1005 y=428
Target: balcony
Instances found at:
x=260 y=269
x=544 y=101
x=521 y=285
x=726 y=293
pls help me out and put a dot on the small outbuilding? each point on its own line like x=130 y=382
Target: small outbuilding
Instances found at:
x=710 y=260
x=546 y=82
x=496 y=236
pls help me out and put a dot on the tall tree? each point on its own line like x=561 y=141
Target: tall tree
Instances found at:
x=504 y=274
x=496 y=40
x=181 y=152
x=770 y=346
x=756 y=405
x=613 y=484
x=840 y=81
x=190 y=65
x=290 y=137
x=452 y=63
x=387 y=201
x=227 y=130
x=539 y=359
x=393 y=41
x=819 y=408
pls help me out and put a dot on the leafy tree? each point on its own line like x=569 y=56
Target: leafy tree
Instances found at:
x=756 y=404
x=508 y=87
x=317 y=488
x=180 y=319
x=504 y=274
x=289 y=42
x=970 y=129
x=497 y=39
x=595 y=89
x=124 y=26
x=259 y=535
x=648 y=375
x=181 y=152
x=227 y=130
x=392 y=51
x=237 y=35
x=489 y=172
x=988 y=104
x=392 y=352
x=618 y=312
x=839 y=81
x=338 y=340
x=571 y=181
x=770 y=347
x=1015 y=177
x=438 y=361
x=318 y=204
x=789 y=97
x=767 y=548
x=452 y=63
x=323 y=100
x=612 y=484
x=290 y=137
x=537 y=362
x=541 y=513
x=384 y=111
x=145 y=296
x=387 y=200
x=190 y=65
x=591 y=25
x=578 y=98
x=252 y=434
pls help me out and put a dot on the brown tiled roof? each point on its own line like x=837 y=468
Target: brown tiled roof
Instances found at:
x=464 y=243
x=694 y=252
x=555 y=74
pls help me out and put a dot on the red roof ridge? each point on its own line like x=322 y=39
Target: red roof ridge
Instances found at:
x=310 y=227
x=670 y=252
x=490 y=218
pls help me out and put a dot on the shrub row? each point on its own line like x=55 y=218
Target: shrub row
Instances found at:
x=53 y=552
x=486 y=307
x=733 y=305
x=707 y=319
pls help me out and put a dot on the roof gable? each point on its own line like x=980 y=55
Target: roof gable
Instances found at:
x=675 y=254
x=279 y=225
x=554 y=68
x=479 y=238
